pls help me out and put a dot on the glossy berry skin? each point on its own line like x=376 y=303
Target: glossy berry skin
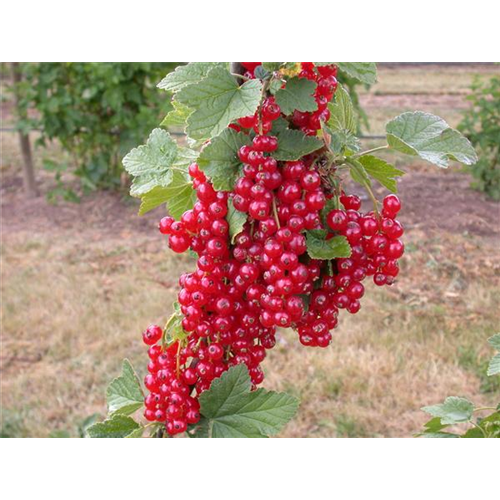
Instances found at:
x=337 y=220
x=391 y=204
x=165 y=224
x=179 y=243
x=152 y=335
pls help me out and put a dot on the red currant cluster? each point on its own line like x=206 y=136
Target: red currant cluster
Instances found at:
x=220 y=311
x=231 y=305
x=375 y=249
x=169 y=398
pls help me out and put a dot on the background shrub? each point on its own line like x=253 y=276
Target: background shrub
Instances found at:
x=96 y=111
x=481 y=124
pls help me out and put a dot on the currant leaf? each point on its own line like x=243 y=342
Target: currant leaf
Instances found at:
x=124 y=393
x=272 y=66
x=429 y=137
x=177 y=117
x=294 y=144
x=217 y=100
x=382 y=171
x=117 y=426
x=358 y=173
x=434 y=425
x=233 y=410
x=494 y=365
x=453 y=411
x=219 y=159
x=179 y=196
x=341 y=141
x=318 y=247
x=297 y=95
x=187 y=75
x=342 y=114
x=150 y=164
x=236 y=220
x=495 y=341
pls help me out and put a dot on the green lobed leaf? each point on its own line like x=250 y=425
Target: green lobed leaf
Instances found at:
x=219 y=159
x=298 y=94
x=495 y=341
x=275 y=86
x=117 y=426
x=149 y=431
x=491 y=425
x=293 y=145
x=177 y=117
x=233 y=410
x=150 y=164
x=429 y=137
x=439 y=435
x=179 y=196
x=272 y=66
x=342 y=141
x=358 y=173
x=124 y=393
x=454 y=410
x=382 y=171
x=261 y=73
x=318 y=247
x=186 y=75
x=217 y=100
x=494 y=365
x=173 y=329
x=342 y=114
x=364 y=72
x=434 y=425
x=279 y=126
x=235 y=219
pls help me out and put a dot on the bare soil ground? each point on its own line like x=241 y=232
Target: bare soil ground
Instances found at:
x=80 y=281
x=441 y=201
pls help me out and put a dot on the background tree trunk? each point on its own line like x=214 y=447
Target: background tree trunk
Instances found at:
x=30 y=186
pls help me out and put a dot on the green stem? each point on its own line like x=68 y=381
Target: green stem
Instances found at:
x=275 y=213
x=485 y=408
x=480 y=428
x=366 y=185
x=374 y=200
x=245 y=78
x=178 y=361
x=265 y=86
x=369 y=151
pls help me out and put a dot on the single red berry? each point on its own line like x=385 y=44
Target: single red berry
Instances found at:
x=337 y=220
x=392 y=204
x=165 y=225
x=179 y=242
x=152 y=335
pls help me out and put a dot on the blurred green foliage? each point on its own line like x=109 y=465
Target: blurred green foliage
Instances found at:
x=481 y=124
x=96 y=111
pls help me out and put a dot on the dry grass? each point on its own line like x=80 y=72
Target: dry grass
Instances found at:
x=440 y=90
x=75 y=298
x=72 y=310
x=429 y=79
x=74 y=307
